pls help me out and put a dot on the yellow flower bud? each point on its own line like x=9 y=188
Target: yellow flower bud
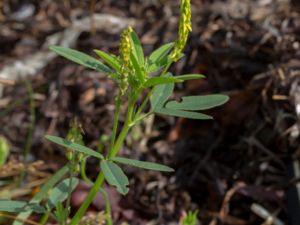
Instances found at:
x=125 y=50
x=185 y=26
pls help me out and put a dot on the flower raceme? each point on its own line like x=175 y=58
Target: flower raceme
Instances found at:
x=75 y=135
x=125 y=51
x=185 y=26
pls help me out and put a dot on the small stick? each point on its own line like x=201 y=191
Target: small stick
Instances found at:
x=92 y=12
x=4 y=81
x=265 y=214
x=15 y=218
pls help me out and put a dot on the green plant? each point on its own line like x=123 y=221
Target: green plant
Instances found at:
x=189 y=219
x=134 y=74
x=4 y=150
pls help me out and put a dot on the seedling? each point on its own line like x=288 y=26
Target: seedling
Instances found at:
x=134 y=74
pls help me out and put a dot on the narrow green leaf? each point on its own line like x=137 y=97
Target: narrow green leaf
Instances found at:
x=198 y=102
x=81 y=58
x=137 y=48
x=161 y=52
x=158 y=64
x=61 y=191
x=138 y=68
x=109 y=59
x=12 y=206
x=143 y=164
x=42 y=194
x=161 y=80
x=184 y=114
x=190 y=76
x=74 y=146
x=115 y=176
x=161 y=94
x=19 y=206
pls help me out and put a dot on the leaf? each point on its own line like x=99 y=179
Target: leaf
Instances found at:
x=4 y=150
x=137 y=48
x=19 y=206
x=143 y=164
x=115 y=176
x=154 y=81
x=74 y=146
x=198 y=102
x=161 y=52
x=138 y=68
x=160 y=58
x=42 y=194
x=190 y=76
x=161 y=93
x=184 y=114
x=81 y=58
x=158 y=64
x=61 y=191
x=109 y=59
x=12 y=206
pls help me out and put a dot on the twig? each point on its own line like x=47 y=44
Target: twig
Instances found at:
x=92 y=12
x=7 y=82
x=19 y=219
x=265 y=214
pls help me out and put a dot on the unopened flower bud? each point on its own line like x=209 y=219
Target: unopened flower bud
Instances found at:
x=74 y=135
x=185 y=26
x=125 y=50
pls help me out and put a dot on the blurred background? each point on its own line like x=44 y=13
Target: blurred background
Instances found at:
x=237 y=169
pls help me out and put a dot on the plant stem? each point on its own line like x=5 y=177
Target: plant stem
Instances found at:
x=88 y=200
x=83 y=173
x=145 y=101
x=100 y=179
x=127 y=125
x=71 y=171
x=104 y=193
x=44 y=219
x=107 y=206
x=28 y=143
x=32 y=120
x=116 y=120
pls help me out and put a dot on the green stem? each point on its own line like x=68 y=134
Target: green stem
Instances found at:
x=141 y=117
x=116 y=120
x=127 y=125
x=28 y=143
x=83 y=173
x=71 y=171
x=107 y=207
x=32 y=120
x=104 y=193
x=88 y=200
x=100 y=179
x=45 y=218
x=144 y=103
